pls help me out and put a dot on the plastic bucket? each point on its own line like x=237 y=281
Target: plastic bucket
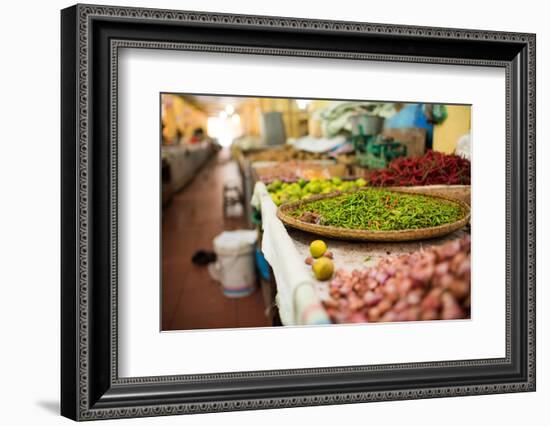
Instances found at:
x=235 y=267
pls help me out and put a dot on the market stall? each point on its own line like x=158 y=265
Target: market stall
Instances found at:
x=292 y=272
x=391 y=161
x=184 y=161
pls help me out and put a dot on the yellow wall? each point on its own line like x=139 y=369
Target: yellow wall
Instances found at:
x=180 y=116
x=292 y=115
x=249 y=112
x=315 y=127
x=294 y=119
x=458 y=123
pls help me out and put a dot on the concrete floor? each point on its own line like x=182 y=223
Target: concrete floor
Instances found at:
x=191 y=299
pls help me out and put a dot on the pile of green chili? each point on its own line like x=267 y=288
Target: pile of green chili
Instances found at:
x=380 y=210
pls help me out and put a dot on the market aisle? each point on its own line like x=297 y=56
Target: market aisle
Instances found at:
x=191 y=299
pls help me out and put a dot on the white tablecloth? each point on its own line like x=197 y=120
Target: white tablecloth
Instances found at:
x=297 y=298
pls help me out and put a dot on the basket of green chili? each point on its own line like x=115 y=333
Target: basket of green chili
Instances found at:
x=373 y=214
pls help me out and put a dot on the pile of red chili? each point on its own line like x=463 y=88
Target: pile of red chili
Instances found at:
x=434 y=168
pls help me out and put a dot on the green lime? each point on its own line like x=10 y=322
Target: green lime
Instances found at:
x=323 y=268
x=317 y=248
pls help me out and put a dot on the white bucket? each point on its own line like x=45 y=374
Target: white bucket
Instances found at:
x=234 y=266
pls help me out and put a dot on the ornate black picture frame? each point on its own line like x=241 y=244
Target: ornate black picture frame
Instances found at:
x=90 y=38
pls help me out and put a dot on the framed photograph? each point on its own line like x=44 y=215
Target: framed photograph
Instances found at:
x=263 y=212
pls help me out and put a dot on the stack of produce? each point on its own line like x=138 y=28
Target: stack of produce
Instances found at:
x=434 y=168
x=291 y=171
x=283 y=192
x=379 y=210
x=431 y=284
x=284 y=153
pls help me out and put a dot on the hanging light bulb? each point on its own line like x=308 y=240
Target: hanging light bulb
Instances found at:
x=302 y=103
x=229 y=109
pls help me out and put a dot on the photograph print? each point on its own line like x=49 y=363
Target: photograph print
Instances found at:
x=313 y=212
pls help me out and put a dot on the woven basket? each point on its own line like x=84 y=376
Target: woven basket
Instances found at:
x=456 y=192
x=367 y=235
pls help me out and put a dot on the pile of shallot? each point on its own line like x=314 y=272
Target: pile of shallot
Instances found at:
x=430 y=284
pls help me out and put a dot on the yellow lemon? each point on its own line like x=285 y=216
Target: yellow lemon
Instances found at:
x=317 y=248
x=323 y=268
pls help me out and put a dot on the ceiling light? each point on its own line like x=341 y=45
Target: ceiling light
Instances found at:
x=302 y=103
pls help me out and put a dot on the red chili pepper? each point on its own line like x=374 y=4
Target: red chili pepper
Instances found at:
x=431 y=169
